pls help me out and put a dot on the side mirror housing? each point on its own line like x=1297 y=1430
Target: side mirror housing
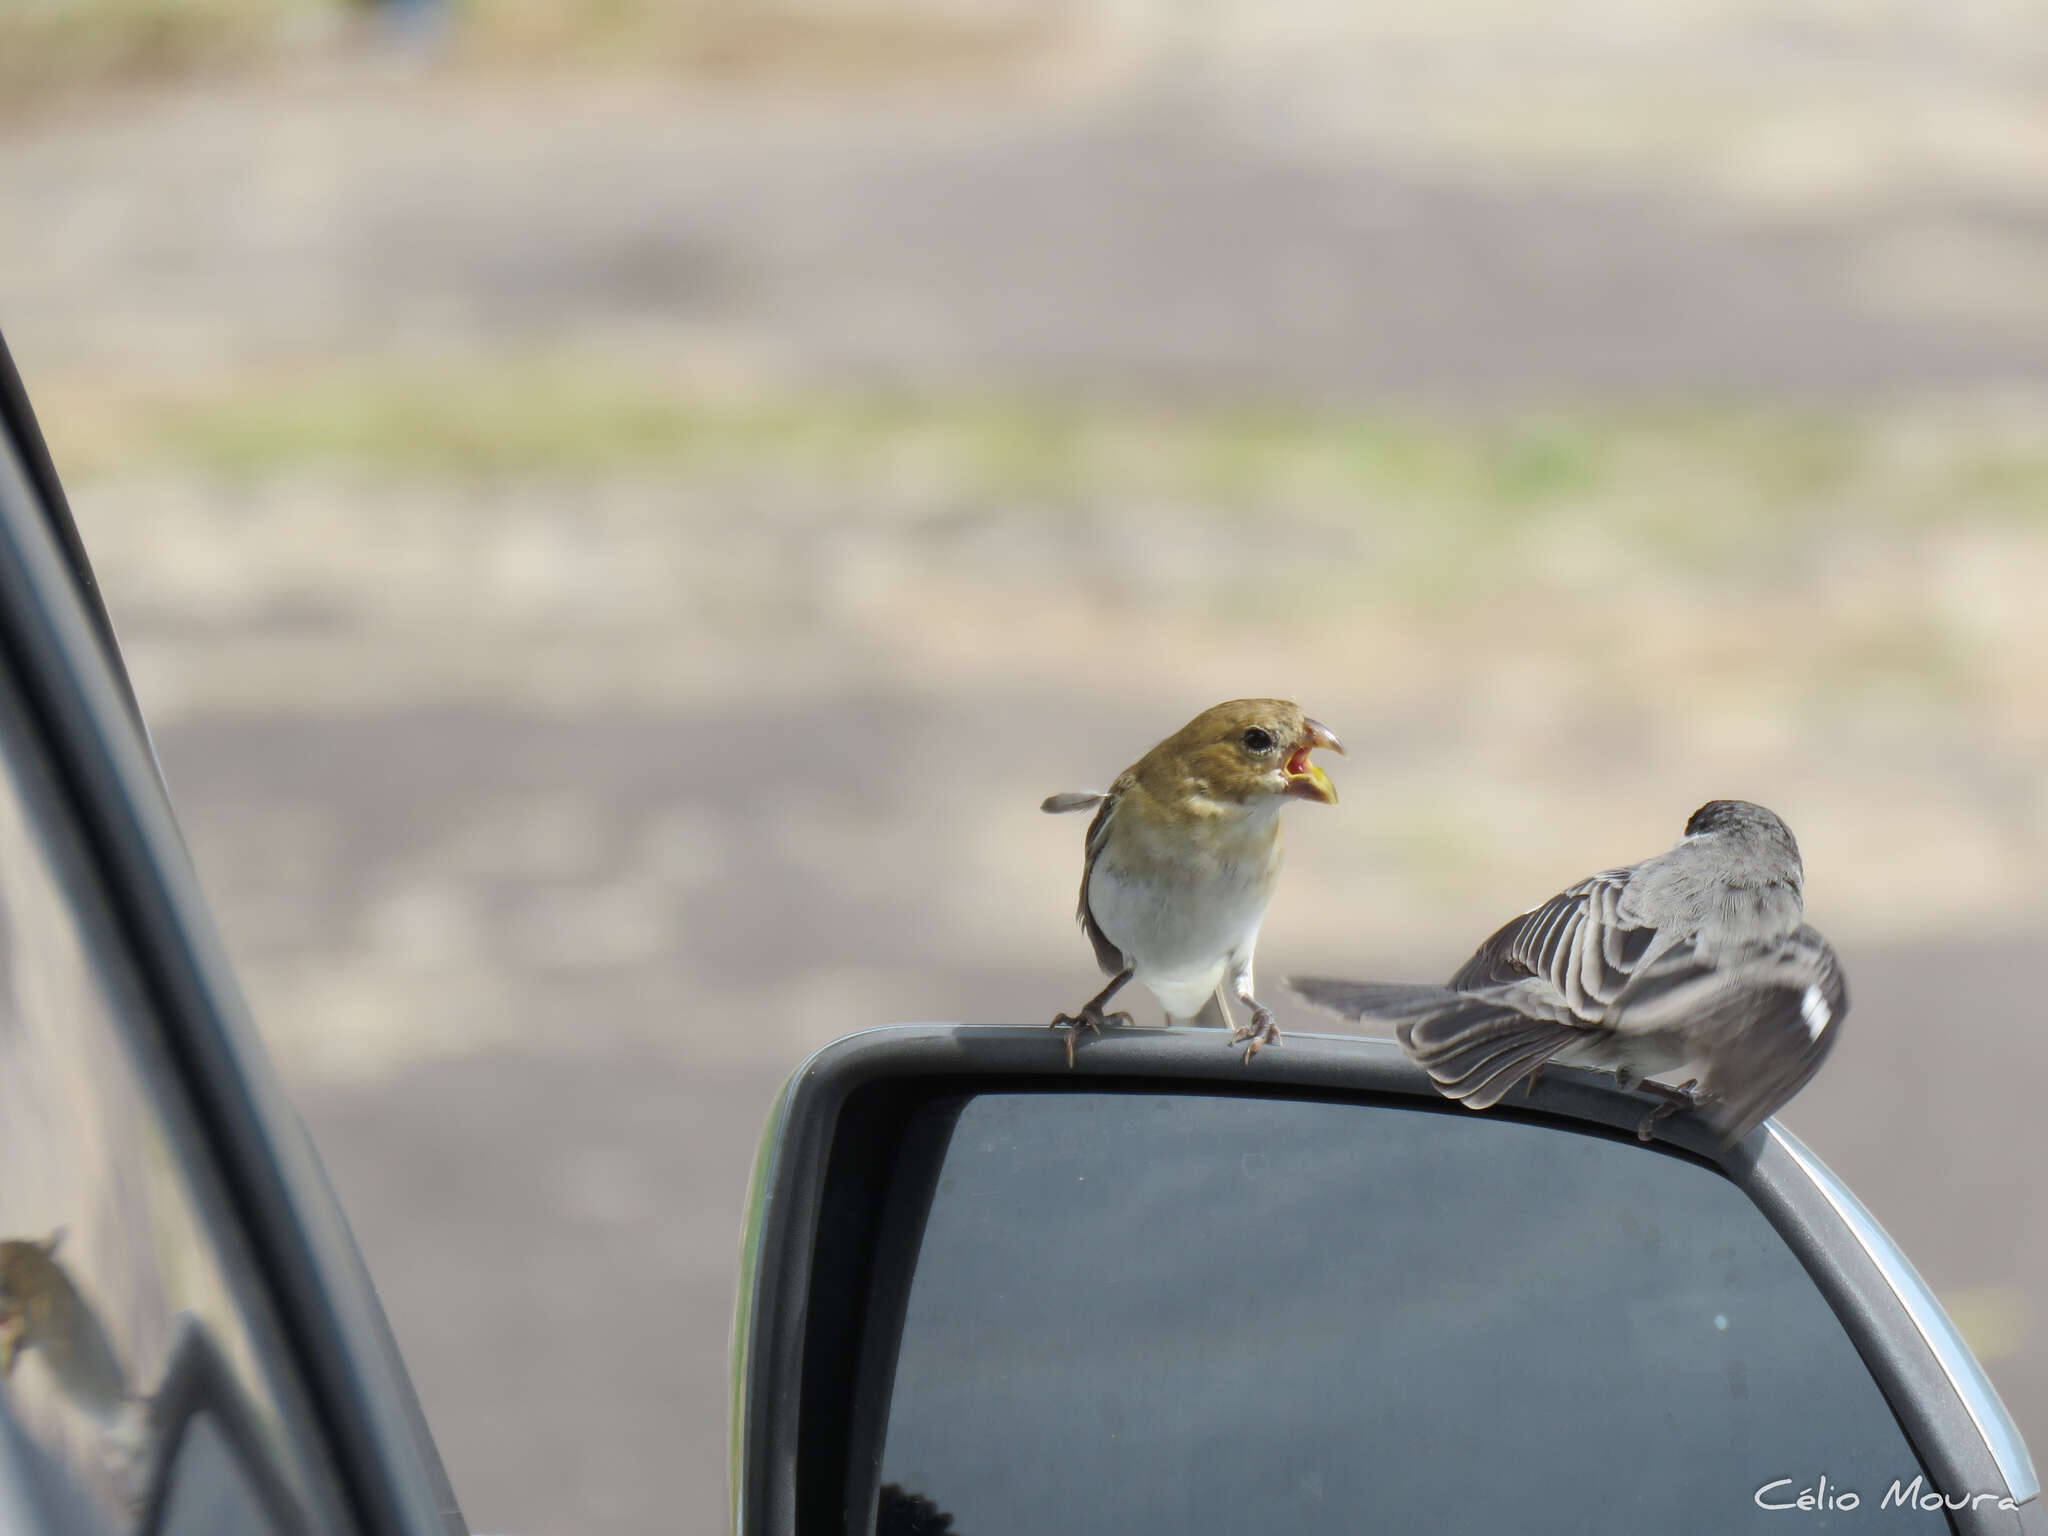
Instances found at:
x=1165 y=1291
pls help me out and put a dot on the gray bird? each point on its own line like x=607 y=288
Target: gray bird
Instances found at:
x=1700 y=955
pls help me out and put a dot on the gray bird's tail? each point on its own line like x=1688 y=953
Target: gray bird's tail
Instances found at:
x=1387 y=1002
x=1475 y=1051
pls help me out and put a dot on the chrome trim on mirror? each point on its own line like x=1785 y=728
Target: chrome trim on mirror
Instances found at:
x=1972 y=1385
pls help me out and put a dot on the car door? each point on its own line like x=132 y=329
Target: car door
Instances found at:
x=188 y=1340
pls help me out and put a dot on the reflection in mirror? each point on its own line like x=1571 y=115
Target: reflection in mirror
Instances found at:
x=1192 y=1313
x=96 y=1141
x=207 y=1491
x=210 y=1475
x=41 y=1310
x=899 y=1512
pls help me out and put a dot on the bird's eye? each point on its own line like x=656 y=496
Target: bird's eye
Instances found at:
x=1256 y=740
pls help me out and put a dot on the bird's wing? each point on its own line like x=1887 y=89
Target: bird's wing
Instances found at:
x=1578 y=942
x=1478 y=1052
x=1476 y=1049
x=1760 y=1024
x=1107 y=955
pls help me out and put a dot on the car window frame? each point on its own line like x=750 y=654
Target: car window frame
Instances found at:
x=58 y=642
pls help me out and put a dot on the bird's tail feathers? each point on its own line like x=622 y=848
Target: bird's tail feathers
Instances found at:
x=1072 y=800
x=1478 y=1052
x=1387 y=1002
x=1474 y=1050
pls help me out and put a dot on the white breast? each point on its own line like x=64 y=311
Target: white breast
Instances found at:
x=1182 y=920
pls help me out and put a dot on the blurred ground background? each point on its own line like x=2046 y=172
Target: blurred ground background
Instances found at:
x=618 y=514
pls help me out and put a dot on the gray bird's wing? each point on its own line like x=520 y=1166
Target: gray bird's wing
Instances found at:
x=1539 y=986
x=1578 y=942
x=1477 y=1052
x=1761 y=1023
x=1474 y=1048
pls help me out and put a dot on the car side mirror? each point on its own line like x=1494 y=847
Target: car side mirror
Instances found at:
x=1166 y=1292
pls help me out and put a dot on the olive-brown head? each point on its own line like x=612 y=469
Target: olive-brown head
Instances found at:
x=1242 y=752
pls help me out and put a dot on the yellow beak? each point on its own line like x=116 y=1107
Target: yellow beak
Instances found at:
x=1306 y=780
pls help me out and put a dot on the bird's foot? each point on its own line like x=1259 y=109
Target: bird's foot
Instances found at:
x=1088 y=1018
x=1673 y=1101
x=1262 y=1030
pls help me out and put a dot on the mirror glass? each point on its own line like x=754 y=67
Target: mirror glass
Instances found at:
x=1195 y=1313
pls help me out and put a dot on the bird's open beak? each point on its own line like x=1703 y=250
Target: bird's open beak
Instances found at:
x=1305 y=779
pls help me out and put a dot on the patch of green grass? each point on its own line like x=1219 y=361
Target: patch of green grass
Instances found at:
x=544 y=418
x=1713 y=489
x=493 y=422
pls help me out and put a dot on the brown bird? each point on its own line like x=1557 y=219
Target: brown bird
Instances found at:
x=1183 y=856
x=42 y=1310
